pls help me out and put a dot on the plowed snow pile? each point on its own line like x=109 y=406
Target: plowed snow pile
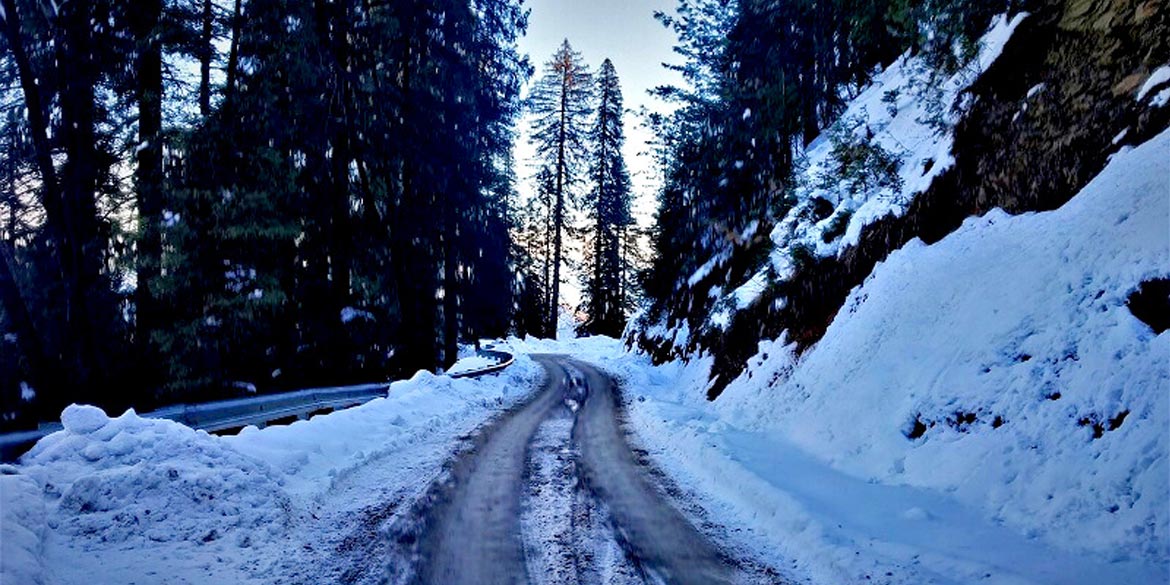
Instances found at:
x=136 y=500
x=133 y=478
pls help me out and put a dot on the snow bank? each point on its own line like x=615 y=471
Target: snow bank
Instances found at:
x=22 y=525
x=1008 y=351
x=311 y=454
x=130 y=478
x=152 y=501
x=471 y=363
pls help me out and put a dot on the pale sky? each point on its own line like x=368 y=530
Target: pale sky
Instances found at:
x=626 y=32
x=623 y=31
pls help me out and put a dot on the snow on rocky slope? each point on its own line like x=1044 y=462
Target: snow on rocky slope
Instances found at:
x=984 y=409
x=1002 y=365
x=905 y=113
x=128 y=499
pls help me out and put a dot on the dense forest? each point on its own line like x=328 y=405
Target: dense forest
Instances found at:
x=203 y=199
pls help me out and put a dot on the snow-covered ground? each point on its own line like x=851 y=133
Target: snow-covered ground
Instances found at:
x=985 y=409
x=132 y=500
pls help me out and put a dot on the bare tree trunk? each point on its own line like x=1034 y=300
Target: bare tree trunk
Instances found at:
x=333 y=32
x=84 y=247
x=45 y=372
x=233 y=56
x=450 y=286
x=148 y=173
x=559 y=212
x=206 y=51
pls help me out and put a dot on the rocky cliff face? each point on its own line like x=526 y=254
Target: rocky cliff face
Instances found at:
x=1077 y=81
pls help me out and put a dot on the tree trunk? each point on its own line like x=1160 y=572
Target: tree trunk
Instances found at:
x=84 y=248
x=333 y=33
x=206 y=51
x=233 y=56
x=45 y=372
x=148 y=174
x=450 y=286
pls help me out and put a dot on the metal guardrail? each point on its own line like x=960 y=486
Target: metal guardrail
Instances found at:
x=257 y=410
x=503 y=360
x=260 y=410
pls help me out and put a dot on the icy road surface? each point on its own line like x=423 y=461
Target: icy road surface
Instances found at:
x=553 y=494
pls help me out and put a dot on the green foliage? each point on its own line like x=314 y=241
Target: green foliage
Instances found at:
x=802 y=255
x=890 y=98
x=837 y=226
x=859 y=164
x=561 y=104
x=354 y=161
x=608 y=261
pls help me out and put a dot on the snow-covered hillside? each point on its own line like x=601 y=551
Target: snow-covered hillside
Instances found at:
x=986 y=408
x=1002 y=365
x=905 y=119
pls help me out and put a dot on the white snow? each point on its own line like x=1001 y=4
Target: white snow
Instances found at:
x=1158 y=77
x=1001 y=338
x=22 y=518
x=27 y=393
x=1161 y=98
x=471 y=363
x=348 y=314
x=1021 y=318
x=703 y=271
x=170 y=218
x=83 y=420
x=746 y=295
x=894 y=111
x=139 y=500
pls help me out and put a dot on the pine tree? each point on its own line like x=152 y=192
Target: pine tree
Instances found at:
x=609 y=207
x=337 y=210
x=560 y=103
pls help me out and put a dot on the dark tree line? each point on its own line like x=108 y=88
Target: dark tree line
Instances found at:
x=202 y=196
x=763 y=78
x=577 y=131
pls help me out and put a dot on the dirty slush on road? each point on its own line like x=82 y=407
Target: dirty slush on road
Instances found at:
x=552 y=493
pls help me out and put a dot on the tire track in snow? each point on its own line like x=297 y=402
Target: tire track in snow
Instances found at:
x=567 y=533
x=664 y=543
x=553 y=494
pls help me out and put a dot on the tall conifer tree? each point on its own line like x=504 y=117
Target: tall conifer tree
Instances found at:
x=560 y=132
x=608 y=205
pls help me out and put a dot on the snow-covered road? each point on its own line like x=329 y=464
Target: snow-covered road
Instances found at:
x=553 y=494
